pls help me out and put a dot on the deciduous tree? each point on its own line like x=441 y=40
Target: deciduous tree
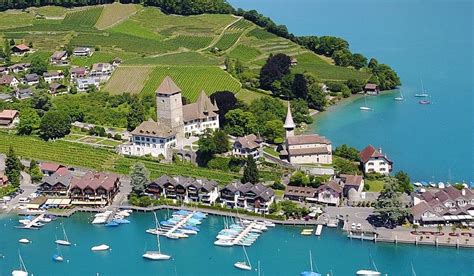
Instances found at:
x=13 y=167
x=55 y=124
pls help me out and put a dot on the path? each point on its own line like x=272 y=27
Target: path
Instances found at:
x=216 y=39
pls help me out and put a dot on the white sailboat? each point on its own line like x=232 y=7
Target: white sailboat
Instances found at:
x=22 y=271
x=366 y=107
x=245 y=265
x=400 y=98
x=423 y=92
x=156 y=255
x=65 y=241
x=310 y=273
x=58 y=257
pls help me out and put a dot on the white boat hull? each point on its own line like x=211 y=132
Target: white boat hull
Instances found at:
x=19 y=273
x=155 y=256
x=102 y=247
x=24 y=241
x=242 y=265
x=367 y=273
x=63 y=242
x=365 y=108
x=223 y=243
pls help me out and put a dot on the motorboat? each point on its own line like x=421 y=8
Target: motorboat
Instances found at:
x=65 y=241
x=24 y=241
x=223 y=243
x=424 y=102
x=365 y=272
x=101 y=247
x=156 y=255
x=121 y=221
x=112 y=224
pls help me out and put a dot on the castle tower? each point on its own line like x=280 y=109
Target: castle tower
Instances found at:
x=169 y=106
x=289 y=124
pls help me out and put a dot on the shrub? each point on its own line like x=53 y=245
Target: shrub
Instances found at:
x=277 y=185
x=117 y=137
x=366 y=186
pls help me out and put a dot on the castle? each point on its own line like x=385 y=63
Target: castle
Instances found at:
x=175 y=122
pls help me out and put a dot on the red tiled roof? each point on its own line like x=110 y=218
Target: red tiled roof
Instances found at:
x=22 y=47
x=371 y=86
x=51 y=167
x=371 y=152
x=308 y=151
x=8 y=114
x=95 y=180
x=331 y=185
x=6 y=79
x=354 y=180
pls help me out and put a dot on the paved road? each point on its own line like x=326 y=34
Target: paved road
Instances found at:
x=353 y=214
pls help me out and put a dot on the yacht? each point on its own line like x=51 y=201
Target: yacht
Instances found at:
x=22 y=271
x=365 y=272
x=223 y=243
x=245 y=265
x=24 y=241
x=65 y=241
x=156 y=255
x=423 y=93
x=101 y=247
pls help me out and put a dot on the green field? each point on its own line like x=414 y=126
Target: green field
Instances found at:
x=192 y=42
x=183 y=58
x=244 y=53
x=86 y=18
x=192 y=79
x=74 y=154
x=227 y=41
x=375 y=185
x=15 y=19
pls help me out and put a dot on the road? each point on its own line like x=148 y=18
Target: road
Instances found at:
x=353 y=214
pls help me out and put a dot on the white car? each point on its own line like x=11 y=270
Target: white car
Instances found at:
x=359 y=226
x=353 y=226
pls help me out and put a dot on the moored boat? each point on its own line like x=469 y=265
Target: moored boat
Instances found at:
x=101 y=247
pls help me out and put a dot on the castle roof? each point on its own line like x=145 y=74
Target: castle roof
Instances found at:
x=201 y=109
x=168 y=87
x=153 y=129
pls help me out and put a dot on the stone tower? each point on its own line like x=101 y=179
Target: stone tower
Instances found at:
x=289 y=124
x=169 y=106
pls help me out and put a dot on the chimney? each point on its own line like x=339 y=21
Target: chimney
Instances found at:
x=380 y=149
x=463 y=192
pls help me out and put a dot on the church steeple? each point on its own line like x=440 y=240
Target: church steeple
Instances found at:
x=289 y=124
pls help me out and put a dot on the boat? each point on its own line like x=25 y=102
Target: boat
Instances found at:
x=400 y=98
x=245 y=265
x=365 y=272
x=422 y=93
x=121 y=221
x=156 y=255
x=366 y=107
x=66 y=240
x=58 y=257
x=22 y=271
x=24 y=241
x=101 y=247
x=424 y=102
x=223 y=243
x=311 y=272
x=112 y=224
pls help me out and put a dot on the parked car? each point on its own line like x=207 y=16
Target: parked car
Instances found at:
x=359 y=226
x=353 y=226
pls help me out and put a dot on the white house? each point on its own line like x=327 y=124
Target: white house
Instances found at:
x=101 y=71
x=150 y=138
x=251 y=197
x=330 y=193
x=374 y=160
x=83 y=83
x=53 y=76
x=247 y=145
x=31 y=79
x=59 y=58
x=199 y=116
x=9 y=81
x=82 y=52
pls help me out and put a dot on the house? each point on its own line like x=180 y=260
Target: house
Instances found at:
x=101 y=71
x=301 y=194
x=304 y=149
x=82 y=52
x=56 y=183
x=199 y=116
x=293 y=61
x=24 y=94
x=94 y=188
x=50 y=168
x=353 y=186
x=150 y=138
x=3 y=71
x=78 y=72
x=9 y=80
x=374 y=160
x=5 y=97
x=330 y=193
x=247 y=145
x=445 y=206
x=3 y=179
x=20 y=50
x=31 y=79
x=53 y=76
x=9 y=118
x=83 y=84
x=371 y=89
x=59 y=58
x=251 y=197
x=116 y=62
x=19 y=67
x=57 y=88
x=185 y=189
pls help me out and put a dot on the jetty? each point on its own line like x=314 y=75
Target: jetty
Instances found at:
x=318 y=231
x=31 y=224
x=244 y=233
x=179 y=224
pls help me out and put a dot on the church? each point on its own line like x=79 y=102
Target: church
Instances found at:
x=175 y=122
x=304 y=149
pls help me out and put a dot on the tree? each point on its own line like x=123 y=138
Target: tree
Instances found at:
x=355 y=85
x=55 y=124
x=136 y=115
x=373 y=63
x=299 y=179
x=221 y=141
x=273 y=130
x=404 y=183
x=38 y=66
x=7 y=51
x=439 y=228
x=29 y=121
x=274 y=69
x=342 y=58
x=240 y=123
x=300 y=111
x=415 y=227
x=347 y=152
x=389 y=205
x=41 y=101
x=35 y=172
x=250 y=171
x=13 y=167
x=316 y=97
x=139 y=178
x=225 y=101
x=12 y=42
x=300 y=86
x=358 y=61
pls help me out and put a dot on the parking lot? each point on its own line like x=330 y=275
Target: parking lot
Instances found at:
x=357 y=215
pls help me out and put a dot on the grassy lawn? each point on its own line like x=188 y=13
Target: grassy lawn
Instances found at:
x=109 y=142
x=74 y=137
x=279 y=193
x=375 y=185
x=248 y=96
x=271 y=151
x=6 y=190
x=15 y=19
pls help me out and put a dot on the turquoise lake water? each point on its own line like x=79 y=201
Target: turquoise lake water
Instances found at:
x=281 y=251
x=430 y=40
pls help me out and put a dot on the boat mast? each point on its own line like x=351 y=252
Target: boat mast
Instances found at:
x=64 y=232
x=22 y=264
x=246 y=256
x=310 y=261
x=157 y=234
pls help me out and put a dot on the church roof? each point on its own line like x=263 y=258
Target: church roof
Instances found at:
x=153 y=129
x=168 y=86
x=289 y=123
x=307 y=139
x=201 y=109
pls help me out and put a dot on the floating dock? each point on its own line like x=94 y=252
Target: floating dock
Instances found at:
x=318 y=231
x=31 y=224
x=244 y=233
x=179 y=224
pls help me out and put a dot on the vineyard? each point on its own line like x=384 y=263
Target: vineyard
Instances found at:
x=128 y=80
x=244 y=53
x=192 y=42
x=183 y=58
x=13 y=19
x=83 y=18
x=261 y=34
x=227 y=41
x=192 y=80
x=240 y=25
x=112 y=14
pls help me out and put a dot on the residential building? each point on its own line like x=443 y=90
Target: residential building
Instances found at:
x=53 y=76
x=56 y=183
x=353 y=186
x=31 y=79
x=445 y=206
x=247 y=145
x=19 y=67
x=304 y=149
x=9 y=118
x=94 y=189
x=330 y=193
x=371 y=89
x=101 y=71
x=199 y=116
x=5 y=97
x=20 y=50
x=3 y=70
x=150 y=138
x=374 y=161
x=57 y=88
x=82 y=52
x=49 y=168
x=301 y=194
x=3 y=179
x=9 y=80
x=186 y=189
x=293 y=61
x=83 y=84
x=251 y=197
x=23 y=94
x=116 y=62
x=59 y=58
x=78 y=72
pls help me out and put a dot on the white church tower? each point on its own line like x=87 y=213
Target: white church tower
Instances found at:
x=289 y=124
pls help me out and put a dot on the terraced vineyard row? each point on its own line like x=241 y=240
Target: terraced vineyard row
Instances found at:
x=227 y=41
x=192 y=79
x=192 y=42
x=242 y=24
x=83 y=18
x=244 y=53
